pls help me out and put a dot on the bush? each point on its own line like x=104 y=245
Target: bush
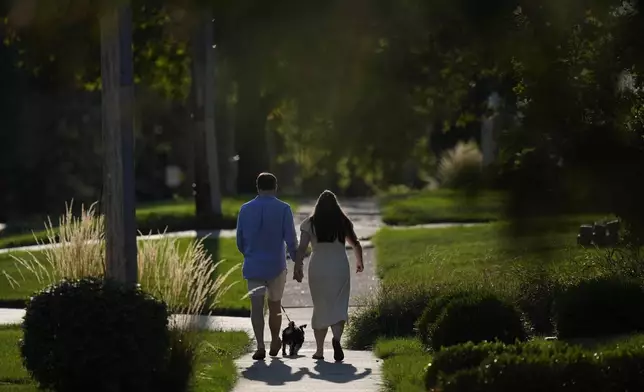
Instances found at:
x=536 y=366
x=624 y=368
x=433 y=310
x=598 y=307
x=530 y=367
x=392 y=313
x=477 y=318
x=461 y=357
x=460 y=167
x=536 y=295
x=94 y=335
x=182 y=357
x=469 y=356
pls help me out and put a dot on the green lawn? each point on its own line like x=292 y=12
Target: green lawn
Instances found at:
x=221 y=249
x=473 y=254
x=216 y=369
x=176 y=215
x=440 y=206
x=404 y=364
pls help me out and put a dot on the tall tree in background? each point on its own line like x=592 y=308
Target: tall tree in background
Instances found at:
x=207 y=177
x=118 y=141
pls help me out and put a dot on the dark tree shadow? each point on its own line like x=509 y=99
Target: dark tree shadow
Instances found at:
x=339 y=373
x=274 y=373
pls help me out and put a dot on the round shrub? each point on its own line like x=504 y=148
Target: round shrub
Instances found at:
x=477 y=318
x=392 y=313
x=432 y=312
x=94 y=335
x=600 y=307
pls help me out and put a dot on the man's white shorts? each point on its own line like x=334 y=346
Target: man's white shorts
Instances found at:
x=273 y=288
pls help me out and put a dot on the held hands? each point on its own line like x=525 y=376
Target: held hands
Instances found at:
x=298 y=272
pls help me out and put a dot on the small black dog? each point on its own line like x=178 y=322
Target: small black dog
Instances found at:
x=293 y=337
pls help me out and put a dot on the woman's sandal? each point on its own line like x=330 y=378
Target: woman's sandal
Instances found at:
x=318 y=357
x=338 y=354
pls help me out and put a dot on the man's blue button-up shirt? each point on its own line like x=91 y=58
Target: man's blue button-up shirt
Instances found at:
x=264 y=225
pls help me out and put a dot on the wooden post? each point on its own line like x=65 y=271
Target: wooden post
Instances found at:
x=118 y=142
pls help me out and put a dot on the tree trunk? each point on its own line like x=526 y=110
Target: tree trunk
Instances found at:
x=251 y=133
x=207 y=188
x=118 y=143
x=231 y=157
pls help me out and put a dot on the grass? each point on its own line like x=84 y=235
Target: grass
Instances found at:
x=215 y=372
x=440 y=206
x=176 y=215
x=415 y=265
x=404 y=364
x=221 y=249
x=461 y=254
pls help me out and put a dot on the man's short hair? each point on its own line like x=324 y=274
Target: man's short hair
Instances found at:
x=266 y=182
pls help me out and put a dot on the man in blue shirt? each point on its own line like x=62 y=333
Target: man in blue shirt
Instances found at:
x=263 y=226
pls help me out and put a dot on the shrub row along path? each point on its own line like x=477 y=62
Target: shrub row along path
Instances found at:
x=360 y=370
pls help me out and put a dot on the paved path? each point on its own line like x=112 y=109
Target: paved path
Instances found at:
x=360 y=370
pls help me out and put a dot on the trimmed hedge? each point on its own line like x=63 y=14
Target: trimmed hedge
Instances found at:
x=392 y=313
x=477 y=318
x=600 y=307
x=95 y=335
x=536 y=367
x=432 y=312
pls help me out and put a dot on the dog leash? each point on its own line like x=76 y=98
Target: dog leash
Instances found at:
x=285 y=314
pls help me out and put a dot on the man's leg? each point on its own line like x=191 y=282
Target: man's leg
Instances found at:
x=257 y=317
x=275 y=290
x=275 y=325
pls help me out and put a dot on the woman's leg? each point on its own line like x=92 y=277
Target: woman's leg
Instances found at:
x=320 y=335
x=337 y=329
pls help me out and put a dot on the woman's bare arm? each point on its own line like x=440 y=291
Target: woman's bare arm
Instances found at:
x=298 y=272
x=353 y=241
x=305 y=239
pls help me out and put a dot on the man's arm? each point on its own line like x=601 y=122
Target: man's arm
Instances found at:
x=240 y=235
x=288 y=230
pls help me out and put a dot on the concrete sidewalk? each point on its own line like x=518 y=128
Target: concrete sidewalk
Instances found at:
x=360 y=370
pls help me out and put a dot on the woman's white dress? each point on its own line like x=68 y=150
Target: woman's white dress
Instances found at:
x=329 y=280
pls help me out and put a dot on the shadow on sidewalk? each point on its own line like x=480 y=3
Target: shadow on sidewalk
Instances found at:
x=277 y=372
x=274 y=373
x=339 y=373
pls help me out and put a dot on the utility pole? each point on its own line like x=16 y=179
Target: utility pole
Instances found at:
x=207 y=184
x=118 y=141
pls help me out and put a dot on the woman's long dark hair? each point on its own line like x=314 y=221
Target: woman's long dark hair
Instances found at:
x=328 y=222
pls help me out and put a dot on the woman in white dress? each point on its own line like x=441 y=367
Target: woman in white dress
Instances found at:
x=328 y=229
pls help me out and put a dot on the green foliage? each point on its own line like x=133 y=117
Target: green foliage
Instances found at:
x=404 y=364
x=392 y=313
x=92 y=334
x=432 y=312
x=214 y=368
x=458 y=358
x=536 y=295
x=598 y=307
x=439 y=206
x=177 y=375
x=494 y=318
x=464 y=361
